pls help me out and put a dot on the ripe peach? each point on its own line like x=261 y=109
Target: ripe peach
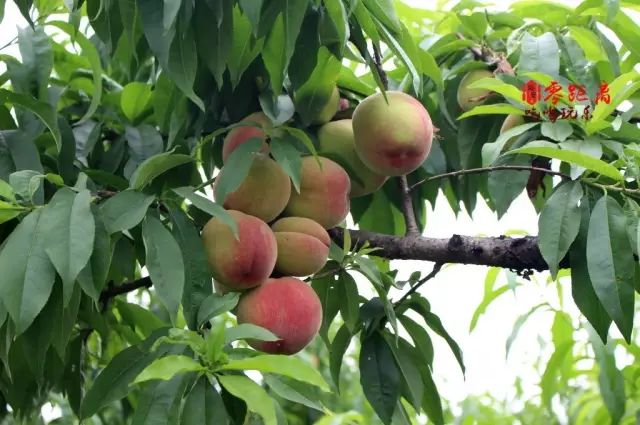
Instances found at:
x=470 y=98
x=239 y=135
x=392 y=138
x=244 y=262
x=265 y=191
x=288 y=307
x=303 y=246
x=324 y=192
x=335 y=138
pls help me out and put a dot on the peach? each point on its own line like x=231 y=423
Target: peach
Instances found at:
x=324 y=192
x=470 y=98
x=265 y=191
x=239 y=135
x=336 y=139
x=392 y=138
x=510 y=122
x=244 y=262
x=303 y=246
x=287 y=307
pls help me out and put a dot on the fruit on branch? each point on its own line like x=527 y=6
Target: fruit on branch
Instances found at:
x=392 y=138
x=344 y=104
x=244 y=262
x=469 y=98
x=265 y=191
x=336 y=141
x=287 y=307
x=324 y=192
x=239 y=135
x=510 y=122
x=320 y=110
x=303 y=246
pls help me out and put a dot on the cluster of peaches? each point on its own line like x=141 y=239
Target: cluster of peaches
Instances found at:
x=282 y=233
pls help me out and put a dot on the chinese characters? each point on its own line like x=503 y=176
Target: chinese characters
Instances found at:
x=553 y=93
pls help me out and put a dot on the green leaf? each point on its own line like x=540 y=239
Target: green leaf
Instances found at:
x=506 y=185
x=28 y=274
x=293 y=391
x=610 y=379
x=281 y=41
x=488 y=298
x=197 y=277
x=420 y=338
x=493 y=84
x=379 y=376
x=70 y=236
x=582 y=288
x=404 y=48
x=558 y=130
x=113 y=381
x=349 y=305
x=434 y=323
x=520 y=321
x=94 y=276
x=237 y=168
x=293 y=367
x=216 y=304
x=159 y=402
x=559 y=224
x=338 y=349
x=6 y=191
x=125 y=210
x=496 y=108
x=164 y=262
x=42 y=110
x=589 y=43
x=254 y=395
x=335 y=18
x=289 y=158
x=549 y=380
x=620 y=90
x=166 y=367
x=155 y=166
x=208 y=206
x=313 y=94
x=539 y=54
x=550 y=150
x=203 y=406
x=248 y=331
x=170 y=13
x=243 y=49
x=183 y=63
x=91 y=52
x=134 y=99
x=610 y=263
x=588 y=146
x=385 y=12
x=26 y=183
x=214 y=41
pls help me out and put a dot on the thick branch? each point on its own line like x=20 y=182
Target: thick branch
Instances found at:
x=518 y=254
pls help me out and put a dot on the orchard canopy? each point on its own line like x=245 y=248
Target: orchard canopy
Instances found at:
x=200 y=202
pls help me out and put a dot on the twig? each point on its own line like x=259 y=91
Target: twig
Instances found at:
x=488 y=170
x=436 y=269
x=126 y=287
x=377 y=59
x=204 y=184
x=407 y=208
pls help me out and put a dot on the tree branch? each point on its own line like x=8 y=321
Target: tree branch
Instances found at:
x=436 y=269
x=113 y=291
x=518 y=254
x=488 y=170
x=407 y=208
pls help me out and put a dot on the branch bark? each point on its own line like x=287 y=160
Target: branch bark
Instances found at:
x=518 y=254
x=113 y=291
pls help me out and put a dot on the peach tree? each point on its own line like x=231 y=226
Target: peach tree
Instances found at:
x=192 y=190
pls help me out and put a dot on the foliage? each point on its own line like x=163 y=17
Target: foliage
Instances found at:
x=110 y=136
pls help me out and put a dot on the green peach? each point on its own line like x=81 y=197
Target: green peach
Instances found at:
x=336 y=138
x=470 y=98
